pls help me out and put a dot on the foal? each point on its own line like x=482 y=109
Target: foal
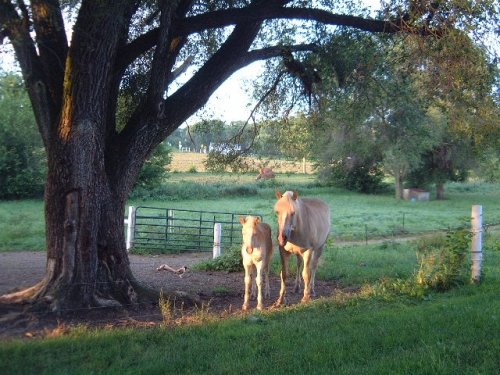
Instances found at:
x=257 y=251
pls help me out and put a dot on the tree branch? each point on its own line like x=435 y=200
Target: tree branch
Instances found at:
x=228 y=17
x=17 y=30
x=52 y=44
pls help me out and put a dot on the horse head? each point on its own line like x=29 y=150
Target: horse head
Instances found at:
x=248 y=231
x=286 y=209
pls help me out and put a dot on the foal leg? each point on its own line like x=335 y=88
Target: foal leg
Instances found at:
x=248 y=285
x=258 y=280
x=253 y=290
x=267 y=287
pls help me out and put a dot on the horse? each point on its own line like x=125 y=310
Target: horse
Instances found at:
x=266 y=173
x=303 y=228
x=256 y=251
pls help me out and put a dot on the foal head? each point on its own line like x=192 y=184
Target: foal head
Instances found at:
x=286 y=210
x=248 y=231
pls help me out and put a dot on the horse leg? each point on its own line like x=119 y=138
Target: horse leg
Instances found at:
x=314 y=266
x=267 y=287
x=306 y=275
x=296 y=287
x=248 y=282
x=253 y=290
x=258 y=280
x=284 y=255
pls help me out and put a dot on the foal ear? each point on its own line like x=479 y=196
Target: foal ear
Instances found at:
x=295 y=195
x=242 y=220
x=278 y=194
x=257 y=220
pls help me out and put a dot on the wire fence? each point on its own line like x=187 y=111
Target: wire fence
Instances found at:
x=358 y=228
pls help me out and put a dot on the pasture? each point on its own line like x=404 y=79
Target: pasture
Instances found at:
x=355 y=217
x=375 y=323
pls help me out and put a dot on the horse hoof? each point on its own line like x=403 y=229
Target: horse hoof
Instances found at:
x=244 y=307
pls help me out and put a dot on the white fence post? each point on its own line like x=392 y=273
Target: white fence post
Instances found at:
x=477 y=243
x=130 y=221
x=217 y=239
x=170 y=221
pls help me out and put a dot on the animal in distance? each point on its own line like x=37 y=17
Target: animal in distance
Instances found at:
x=303 y=228
x=256 y=252
x=266 y=173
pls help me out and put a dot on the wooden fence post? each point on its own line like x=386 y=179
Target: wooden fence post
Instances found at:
x=477 y=243
x=217 y=239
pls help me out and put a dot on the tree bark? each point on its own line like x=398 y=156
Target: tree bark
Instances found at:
x=440 y=191
x=398 y=186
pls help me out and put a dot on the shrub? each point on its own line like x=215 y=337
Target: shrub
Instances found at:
x=230 y=261
x=155 y=168
x=358 y=177
x=218 y=162
x=442 y=262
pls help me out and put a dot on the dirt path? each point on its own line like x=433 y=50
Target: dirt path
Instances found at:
x=221 y=293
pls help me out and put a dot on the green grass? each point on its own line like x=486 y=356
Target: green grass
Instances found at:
x=433 y=338
x=457 y=332
x=22 y=225
x=354 y=216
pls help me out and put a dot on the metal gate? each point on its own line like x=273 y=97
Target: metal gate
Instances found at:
x=176 y=230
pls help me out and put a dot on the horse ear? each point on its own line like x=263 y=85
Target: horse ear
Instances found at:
x=257 y=220
x=242 y=220
x=295 y=195
x=278 y=194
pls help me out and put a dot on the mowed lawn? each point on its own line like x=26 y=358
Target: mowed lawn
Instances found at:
x=372 y=326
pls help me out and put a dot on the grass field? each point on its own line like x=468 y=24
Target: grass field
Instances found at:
x=355 y=217
x=190 y=161
x=381 y=327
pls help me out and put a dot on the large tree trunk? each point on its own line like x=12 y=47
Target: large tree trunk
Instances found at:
x=87 y=263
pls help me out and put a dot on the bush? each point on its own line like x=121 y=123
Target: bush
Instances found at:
x=229 y=261
x=442 y=262
x=359 y=178
x=218 y=162
x=155 y=168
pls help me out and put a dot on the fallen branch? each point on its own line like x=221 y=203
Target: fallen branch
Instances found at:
x=180 y=271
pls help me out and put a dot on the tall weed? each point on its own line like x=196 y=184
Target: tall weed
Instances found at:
x=442 y=262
